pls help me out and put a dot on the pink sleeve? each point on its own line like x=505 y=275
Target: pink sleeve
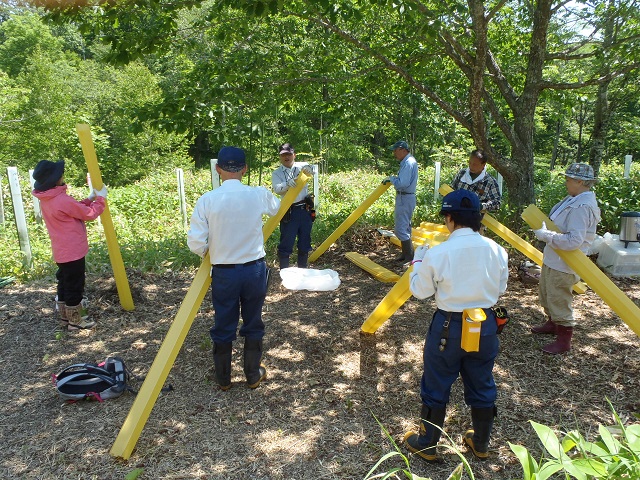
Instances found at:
x=84 y=212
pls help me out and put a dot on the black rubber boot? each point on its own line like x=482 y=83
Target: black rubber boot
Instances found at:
x=424 y=443
x=222 y=364
x=477 y=439
x=407 y=251
x=253 y=369
x=283 y=262
x=303 y=259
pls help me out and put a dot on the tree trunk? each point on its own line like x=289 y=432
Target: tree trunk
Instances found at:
x=556 y=141
x=600 y=123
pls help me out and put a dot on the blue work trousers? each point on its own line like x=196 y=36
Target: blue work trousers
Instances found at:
x=234 y=290
x=441 y=368
x=405 y=205
x=299 y=225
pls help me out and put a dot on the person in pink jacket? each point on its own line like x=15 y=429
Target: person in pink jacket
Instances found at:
x=64 y=217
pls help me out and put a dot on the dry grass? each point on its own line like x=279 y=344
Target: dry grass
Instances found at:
x=313 y=418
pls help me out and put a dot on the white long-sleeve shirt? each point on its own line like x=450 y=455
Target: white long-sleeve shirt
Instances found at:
x=466 y=271
x=577 y=218
x=227 y=222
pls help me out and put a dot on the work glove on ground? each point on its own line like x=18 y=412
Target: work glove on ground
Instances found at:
x=543 y=233
x=420 y=252
x=291 y=182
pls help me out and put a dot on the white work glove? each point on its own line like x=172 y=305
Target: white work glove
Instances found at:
x=308 y=170
x=291 y=182
x=420 y=252
x=92 y=195
x=102 y=192
x=543 y=233
x=386 y=180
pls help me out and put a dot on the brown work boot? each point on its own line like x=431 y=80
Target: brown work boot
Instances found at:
x=78 y=318
x=61 y=311
x=545 y=328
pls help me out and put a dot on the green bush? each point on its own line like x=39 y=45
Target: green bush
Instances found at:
x=614 y=455
x=152 y=237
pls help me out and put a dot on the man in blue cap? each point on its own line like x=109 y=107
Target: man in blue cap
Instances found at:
x=405 y=184
x=227 y=223
x=468 y=271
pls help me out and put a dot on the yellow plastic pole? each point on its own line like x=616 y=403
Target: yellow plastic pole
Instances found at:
x=396 y=297
x=119 y=272
x=350 y=220
x=271 y=224
x=515 y=240
x=148 y=394
x=597 y=280
x=171 y=345
x=399 y=293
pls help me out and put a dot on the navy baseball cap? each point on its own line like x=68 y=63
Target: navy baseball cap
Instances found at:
x=455 y=202
x=231 y=159
x=47 y=173
x=399 y=144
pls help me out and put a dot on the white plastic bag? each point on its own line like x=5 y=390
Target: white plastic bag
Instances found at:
x=295 y=278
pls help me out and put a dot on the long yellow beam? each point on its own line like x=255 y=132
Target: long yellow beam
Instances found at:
x=119 y=272
x=171 y=345
x=396 y=297
x=597 y=280
x=514 y=239
x=400 y=292
x=350 y=220
x=368 y=265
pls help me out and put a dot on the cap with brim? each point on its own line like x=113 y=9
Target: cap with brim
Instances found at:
x=286 y=148
x=454 y=202
x=231 y=159
x=47 y=173
x=399 y=144
x=580 y=171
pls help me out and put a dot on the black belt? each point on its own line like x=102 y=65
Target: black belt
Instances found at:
x=454 y=315
x=406 y=193
x=234 y=265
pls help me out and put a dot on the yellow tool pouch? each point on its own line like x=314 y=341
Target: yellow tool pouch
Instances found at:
x=472 y=319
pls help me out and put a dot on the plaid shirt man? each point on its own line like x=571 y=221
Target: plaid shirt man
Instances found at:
x=485 y=186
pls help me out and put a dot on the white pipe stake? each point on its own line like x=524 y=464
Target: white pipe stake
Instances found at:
x=21 y=222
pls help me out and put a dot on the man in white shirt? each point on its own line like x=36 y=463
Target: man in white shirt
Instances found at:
x=227 y=222
x=468 y=271
x=298 y=221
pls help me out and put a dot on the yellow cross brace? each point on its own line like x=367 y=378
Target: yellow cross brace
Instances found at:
x=350 y=220
x=148 y=394
x=513 y=239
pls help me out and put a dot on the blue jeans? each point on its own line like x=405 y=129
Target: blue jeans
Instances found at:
x=299 y=225
x=441 y=368
x=240 y=289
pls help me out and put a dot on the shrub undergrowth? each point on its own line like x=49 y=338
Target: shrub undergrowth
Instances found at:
x=152 y=237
